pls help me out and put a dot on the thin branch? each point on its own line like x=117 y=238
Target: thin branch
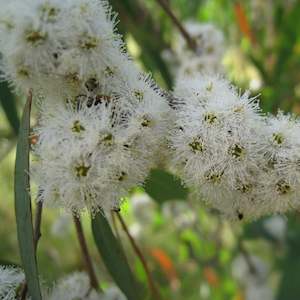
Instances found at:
x=138 y=252
x=37 y=223
x=190 y=41
x=85 y=253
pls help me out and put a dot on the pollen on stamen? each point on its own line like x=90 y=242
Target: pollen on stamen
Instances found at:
x=197 y=145
x=283 y=187
x=109 y=72
x=82 y=170
x=107 y=139
x=139 y=95
x=210 y=118
x=237 y=151
x=122 y=176
x=77 y=127
x=278 y=138
x=49 y=12
x=88 y=42
x=214 y=177
x=23 y=72
x=35 y=37
x=146 y=121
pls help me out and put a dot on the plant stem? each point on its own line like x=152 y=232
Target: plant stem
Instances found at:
x=85 y=253
x=190 y=41
x=37 y=223
x=138 y=252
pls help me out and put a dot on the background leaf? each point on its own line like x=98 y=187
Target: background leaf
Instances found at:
x=163 y=186
x=23 y=207
x=115 y=259
x=7 y=100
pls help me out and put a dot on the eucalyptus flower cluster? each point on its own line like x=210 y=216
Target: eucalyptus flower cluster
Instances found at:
x=75 y=286
x=103 y=124
x=10 y=279
x=209 y=52
x=241 y=162
x=101 y=120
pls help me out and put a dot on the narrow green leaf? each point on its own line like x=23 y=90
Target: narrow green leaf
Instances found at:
x=23 y=207
x=163 y=186
x=115 y=259
x=8 y=103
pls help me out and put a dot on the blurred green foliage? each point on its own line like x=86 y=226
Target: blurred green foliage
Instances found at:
x=192 y=253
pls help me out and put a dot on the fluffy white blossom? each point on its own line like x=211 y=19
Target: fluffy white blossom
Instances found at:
x=209 y=52
x=102 y=123
x=68 y=40
x=73 y=287
x=101 y=120
x=280 y=179
x=216 y=142
x=10 y=279
x=77 y=287
x=90 y=155
x=239 y=161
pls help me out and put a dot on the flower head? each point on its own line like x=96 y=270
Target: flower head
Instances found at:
x=216 y=142
x=10 y=279
x=101 y=121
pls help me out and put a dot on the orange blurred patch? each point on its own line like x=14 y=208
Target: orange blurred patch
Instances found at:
x=165 y=263
x=211 y=276
x=239 y=296
x=243 y=23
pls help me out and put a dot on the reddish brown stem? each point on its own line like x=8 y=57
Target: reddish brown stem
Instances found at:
x=85 y=253
x=190 y=41
x=138 y=252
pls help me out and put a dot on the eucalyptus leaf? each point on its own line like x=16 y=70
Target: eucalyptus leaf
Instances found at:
x=163 y=186
x=23 y=207
x=115 y=259
x=7 y=100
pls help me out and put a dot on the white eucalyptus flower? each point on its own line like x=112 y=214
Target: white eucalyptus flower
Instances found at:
x=101 y=121
x=10 y=279
x=209 y=52
x=281 y=177
x=216 y=142
x=77 y=287
x=73 y=287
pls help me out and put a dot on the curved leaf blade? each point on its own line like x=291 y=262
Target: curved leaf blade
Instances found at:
x=23 y=206
x=115 y=259
x=163 y=186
